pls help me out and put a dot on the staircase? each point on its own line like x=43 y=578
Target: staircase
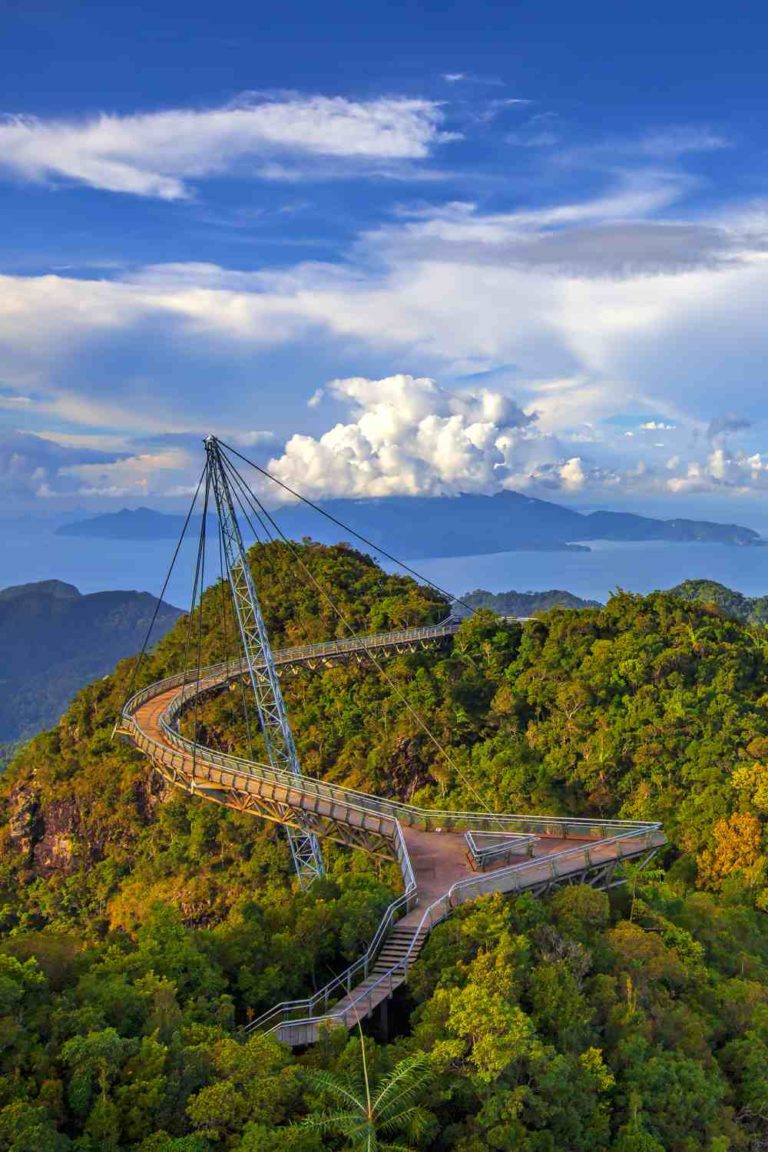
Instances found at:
x=387 y=974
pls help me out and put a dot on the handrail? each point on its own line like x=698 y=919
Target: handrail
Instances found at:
x=360 y=967
x=447 y=902
x=297 y=653
x=430 y=819
x=513 y=844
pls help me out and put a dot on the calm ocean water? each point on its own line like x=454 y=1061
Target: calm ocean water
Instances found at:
x=33 y=552
x=594 y=575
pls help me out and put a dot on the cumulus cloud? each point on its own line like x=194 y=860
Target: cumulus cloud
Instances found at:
x=158 y=154
x=55 y=467
x=407 y=436
x=739 y=472
x=572 y=474
x=136 y=476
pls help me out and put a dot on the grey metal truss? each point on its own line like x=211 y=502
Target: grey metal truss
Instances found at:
x=281 y=749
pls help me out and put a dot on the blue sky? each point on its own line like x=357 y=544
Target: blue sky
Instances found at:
x=388 y=248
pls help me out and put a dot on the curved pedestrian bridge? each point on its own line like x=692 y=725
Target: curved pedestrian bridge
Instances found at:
x=445 y=857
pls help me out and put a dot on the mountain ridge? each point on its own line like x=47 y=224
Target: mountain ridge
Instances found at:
x=54 y=640
x=420 y=527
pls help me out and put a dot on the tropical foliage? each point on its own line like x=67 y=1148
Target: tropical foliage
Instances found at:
x=141 y=929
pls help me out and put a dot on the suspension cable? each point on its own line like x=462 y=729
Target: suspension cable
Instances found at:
x=226 y=608
x=193 y=600
x=340 y=524
x=200 y=614
x=160 y=599
x=253 y=499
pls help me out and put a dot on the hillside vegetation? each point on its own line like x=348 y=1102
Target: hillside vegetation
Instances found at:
x=141 y=927
x=524 y=603
x=751 y=609
x=53 y=640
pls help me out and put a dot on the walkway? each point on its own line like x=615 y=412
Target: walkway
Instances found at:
x=430 y=845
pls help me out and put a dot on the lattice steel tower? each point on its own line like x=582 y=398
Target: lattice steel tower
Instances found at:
x=278 y=737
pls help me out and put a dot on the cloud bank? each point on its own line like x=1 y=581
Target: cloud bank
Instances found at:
x=585 y=347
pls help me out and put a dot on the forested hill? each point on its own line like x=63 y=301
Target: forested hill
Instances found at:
x=53 y=641
x=751 y=609
x=523 y=603
x=141 y=926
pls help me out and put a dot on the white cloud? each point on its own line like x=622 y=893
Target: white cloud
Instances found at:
x=158 y=154
x=671 y=143
x=32 y=466
x=407 y=436
x=620 y=234
x=572 y=474
x=15 y=403
x=457 y=292
x=736 y=472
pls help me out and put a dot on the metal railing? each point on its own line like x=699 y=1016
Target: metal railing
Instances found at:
x=430 y=819
x=427 y=819
x=300 y=653
x=514 y=844
x=556 y=866
x=359 y=969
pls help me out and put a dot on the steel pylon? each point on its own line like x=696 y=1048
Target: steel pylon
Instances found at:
x=281 y=748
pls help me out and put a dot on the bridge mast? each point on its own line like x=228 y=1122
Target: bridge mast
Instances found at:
x=278 y=737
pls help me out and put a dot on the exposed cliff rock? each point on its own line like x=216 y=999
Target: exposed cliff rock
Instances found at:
x=58 y=835
x=407 y=771
x=25 y=823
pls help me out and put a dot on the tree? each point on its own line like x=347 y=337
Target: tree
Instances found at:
x=367 y=1111
x=94 y=1061
x=489 y=1026
x=737 y=848
x=28 y=1128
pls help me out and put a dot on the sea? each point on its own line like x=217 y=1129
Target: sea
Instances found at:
x=30 y=550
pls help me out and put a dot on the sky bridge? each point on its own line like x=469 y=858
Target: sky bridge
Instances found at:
x=445 y=857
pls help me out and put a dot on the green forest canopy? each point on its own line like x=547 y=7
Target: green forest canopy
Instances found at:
x=140 y=927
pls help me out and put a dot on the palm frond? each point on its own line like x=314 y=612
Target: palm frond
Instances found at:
x=333 y=1123
x=343 y=1090
x=414 y=1120
x=404 y=1080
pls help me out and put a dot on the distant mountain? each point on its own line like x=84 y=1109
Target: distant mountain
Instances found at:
x=132 y=524
x=524 y=603
x=751 y=609
x=417 y=527
x=53 y=641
